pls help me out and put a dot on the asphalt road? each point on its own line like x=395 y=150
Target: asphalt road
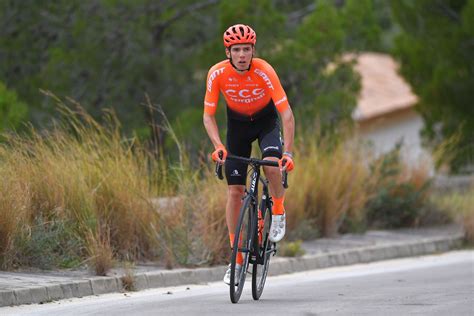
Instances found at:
x=430 y=285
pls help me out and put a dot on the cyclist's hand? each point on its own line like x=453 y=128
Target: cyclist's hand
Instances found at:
x=286 y=162
x=215 y=154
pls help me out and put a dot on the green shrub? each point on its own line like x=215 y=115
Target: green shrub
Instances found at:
x=400 y=195
x=12 y=110
x=49 y=244
x=291 y=249
x=306 y=229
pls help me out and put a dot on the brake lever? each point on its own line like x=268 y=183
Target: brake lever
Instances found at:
x=218 y=171
x=284 y=180
x=284 y=175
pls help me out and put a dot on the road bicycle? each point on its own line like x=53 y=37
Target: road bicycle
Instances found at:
x=252 y=230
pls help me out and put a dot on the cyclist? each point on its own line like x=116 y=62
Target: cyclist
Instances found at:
x=253 y=94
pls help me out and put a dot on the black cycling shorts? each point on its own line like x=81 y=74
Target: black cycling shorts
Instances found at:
x=240 y=136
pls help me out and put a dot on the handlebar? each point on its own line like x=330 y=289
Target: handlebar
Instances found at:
x=251 y=161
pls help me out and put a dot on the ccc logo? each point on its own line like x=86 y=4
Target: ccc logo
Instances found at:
x=244 y=93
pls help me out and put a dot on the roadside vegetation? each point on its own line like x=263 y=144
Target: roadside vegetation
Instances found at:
x=96 y=187
x=460 y=207
x=82 y=195
x=77 y=194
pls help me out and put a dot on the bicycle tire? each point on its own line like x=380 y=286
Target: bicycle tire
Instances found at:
x=260 y=270
x=244 y=233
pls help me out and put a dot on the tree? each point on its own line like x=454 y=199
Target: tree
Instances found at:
x=104 y=54
x=267 y=21
x=327 y=31
x=109 y=53
x=436 y=50
x=362 y=29
x=12 y=111
x=300 y=43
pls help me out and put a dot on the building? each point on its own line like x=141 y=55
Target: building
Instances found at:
x=385 y=113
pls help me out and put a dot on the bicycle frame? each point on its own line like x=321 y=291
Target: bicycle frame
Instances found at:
x=265 y=204
x=255 y=178
x=257 y=245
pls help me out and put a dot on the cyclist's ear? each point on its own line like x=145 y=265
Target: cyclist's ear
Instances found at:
x=227 y=52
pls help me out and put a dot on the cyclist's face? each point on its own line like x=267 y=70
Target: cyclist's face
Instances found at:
x=241 y=55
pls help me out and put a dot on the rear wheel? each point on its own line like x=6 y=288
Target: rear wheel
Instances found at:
x=242 y=245
x=265 y=249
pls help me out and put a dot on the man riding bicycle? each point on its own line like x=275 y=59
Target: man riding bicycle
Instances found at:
x=253 y=94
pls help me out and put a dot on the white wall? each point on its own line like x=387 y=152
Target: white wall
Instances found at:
x=384 y=132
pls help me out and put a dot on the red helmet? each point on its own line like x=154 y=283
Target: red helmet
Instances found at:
x=239 y=34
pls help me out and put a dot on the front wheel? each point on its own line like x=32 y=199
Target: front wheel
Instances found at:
x=242 y=245
x=265 y=249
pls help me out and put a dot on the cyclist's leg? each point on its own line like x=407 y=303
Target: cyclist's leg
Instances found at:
x=271 y=147
x=234 y=202
x=240 y=144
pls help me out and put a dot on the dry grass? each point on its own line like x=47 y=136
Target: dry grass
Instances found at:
x=85 y=173
x=460 y=206
x=128 y=277
x=468 y=224
x=14 y=212
x=193 y=227
x=88 y=174
x=210 y=228
x=329 y=185
x=100 y=252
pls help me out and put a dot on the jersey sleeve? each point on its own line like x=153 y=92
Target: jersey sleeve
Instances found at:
x=212 y=91
x=278 y=94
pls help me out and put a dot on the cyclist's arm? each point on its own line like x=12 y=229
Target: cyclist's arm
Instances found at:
x=212 y=130
x=210 y=104
x=283 y=107
x=288 y=121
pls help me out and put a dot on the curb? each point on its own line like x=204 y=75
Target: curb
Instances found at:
x=365 y=255
x=278 y=266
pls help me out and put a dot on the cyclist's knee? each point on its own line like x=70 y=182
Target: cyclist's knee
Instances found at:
x=235 y=192
x=268 y=169
x=271 y=171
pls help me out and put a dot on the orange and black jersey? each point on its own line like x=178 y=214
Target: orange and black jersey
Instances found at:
x=247 y=93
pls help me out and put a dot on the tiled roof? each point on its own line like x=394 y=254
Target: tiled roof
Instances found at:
x=383 y=89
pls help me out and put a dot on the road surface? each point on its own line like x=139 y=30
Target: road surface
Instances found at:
x=431 y=285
